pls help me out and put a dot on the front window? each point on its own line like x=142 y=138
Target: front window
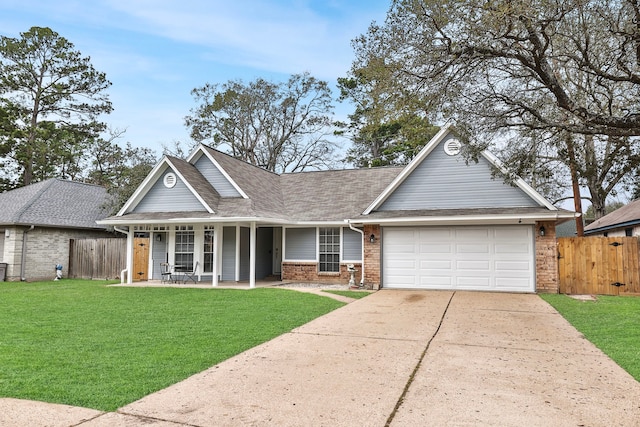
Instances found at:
x=329 y=250
x=184 y=247
x=208 y=249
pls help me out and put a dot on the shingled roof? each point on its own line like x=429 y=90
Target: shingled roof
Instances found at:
x=333 y=195
x=54 y=203
x=626 y=216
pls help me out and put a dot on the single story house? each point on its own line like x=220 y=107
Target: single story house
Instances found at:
x=619 y=223
x=439 y=222
x=37 y=221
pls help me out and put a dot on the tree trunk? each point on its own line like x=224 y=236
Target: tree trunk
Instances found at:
x=577 y=199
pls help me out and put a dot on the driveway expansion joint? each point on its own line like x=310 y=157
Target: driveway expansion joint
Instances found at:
x=415 y=369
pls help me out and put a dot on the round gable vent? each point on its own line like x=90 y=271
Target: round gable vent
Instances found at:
x=452 y=147
x=170 y=180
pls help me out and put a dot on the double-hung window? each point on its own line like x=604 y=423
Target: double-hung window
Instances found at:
x=329 y=250
x=185 y=244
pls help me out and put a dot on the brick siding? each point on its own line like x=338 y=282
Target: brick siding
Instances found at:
x=308 y=272
x=45 y=248
x=546 y=258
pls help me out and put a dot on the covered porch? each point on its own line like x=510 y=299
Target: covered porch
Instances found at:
x=211 y=253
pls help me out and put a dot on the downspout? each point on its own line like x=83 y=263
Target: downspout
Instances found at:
x=126 y=270
x=362 y=249
x=23 y=261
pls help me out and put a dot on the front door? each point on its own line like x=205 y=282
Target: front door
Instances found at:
x=277 y=251
x=140 y=259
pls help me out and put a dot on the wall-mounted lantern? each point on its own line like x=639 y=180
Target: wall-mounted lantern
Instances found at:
x=372 y=238
x=542 y=230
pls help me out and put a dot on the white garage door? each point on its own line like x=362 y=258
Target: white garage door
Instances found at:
x=495 y=258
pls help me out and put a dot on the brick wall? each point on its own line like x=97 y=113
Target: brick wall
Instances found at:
x=308 y=272
x=372 y=256
x=45 y=248
x=546 y=259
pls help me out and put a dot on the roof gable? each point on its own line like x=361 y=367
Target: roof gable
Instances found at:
x=435 y=179
x=191 y=192
x=203 y=159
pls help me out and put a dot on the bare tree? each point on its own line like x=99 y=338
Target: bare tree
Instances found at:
x=278 y=126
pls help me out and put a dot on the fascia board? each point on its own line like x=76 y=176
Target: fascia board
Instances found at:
x=144 y=187
x=193 y=191
x=512 y=219
x=444 y=131
x=187 y=220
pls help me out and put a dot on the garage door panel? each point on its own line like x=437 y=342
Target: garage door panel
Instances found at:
x=435 y=282
x=512 y=248
x=508 y=266
x=471 y=283
x=463 y=233
x=436 y=264
x=436 y=248
x=474 y=257
x=478 y=248
x=473 y=265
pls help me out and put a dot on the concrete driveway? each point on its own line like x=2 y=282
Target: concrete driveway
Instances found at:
x=398 y=358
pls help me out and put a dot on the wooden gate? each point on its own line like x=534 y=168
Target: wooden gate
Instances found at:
x=599 y=265
x=97 y=258
x=140 y=258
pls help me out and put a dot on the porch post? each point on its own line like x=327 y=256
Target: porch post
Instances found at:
x=238 y=241
x=130 y=255
x=216 y=252
x=252 y=256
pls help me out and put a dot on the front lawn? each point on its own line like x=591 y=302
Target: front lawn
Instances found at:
x=611 y=323
x=85 y=344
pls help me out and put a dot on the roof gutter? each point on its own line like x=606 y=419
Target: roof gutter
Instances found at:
x=23 y=261
x=361 y=248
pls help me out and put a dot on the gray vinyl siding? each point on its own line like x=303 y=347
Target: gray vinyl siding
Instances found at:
x=162 y=199
x=159 y=253
x=300 y=244
x=264 y=247
x=215 y=177
x=352 y=245
x=447 y=182
x=228 y=254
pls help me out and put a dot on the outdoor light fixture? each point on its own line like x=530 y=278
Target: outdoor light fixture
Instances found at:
x=372 y=238
x=542 y=230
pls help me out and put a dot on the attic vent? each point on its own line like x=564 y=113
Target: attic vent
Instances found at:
x=170 y=180
x=452 y=147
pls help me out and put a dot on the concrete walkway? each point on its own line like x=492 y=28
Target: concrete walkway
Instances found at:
x=398 y=358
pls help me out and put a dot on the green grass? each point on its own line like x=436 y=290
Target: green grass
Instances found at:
x=85 y=344
x=349 y=294
x=611 y=323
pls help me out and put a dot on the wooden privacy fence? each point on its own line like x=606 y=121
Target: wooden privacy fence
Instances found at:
x=97 y=258
x=599 y=265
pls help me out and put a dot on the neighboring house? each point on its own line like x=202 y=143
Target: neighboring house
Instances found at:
x=619 y=223
x=437 y=223
x=37 y=221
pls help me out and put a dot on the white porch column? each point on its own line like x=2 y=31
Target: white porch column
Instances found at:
x=217 y=250
x=238 y=240
x=130 y=255
x=252 y=256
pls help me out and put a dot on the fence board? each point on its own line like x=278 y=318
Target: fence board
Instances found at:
x=592 y=265
x=97 y=258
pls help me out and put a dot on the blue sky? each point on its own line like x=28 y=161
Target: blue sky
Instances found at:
x=156 y=51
